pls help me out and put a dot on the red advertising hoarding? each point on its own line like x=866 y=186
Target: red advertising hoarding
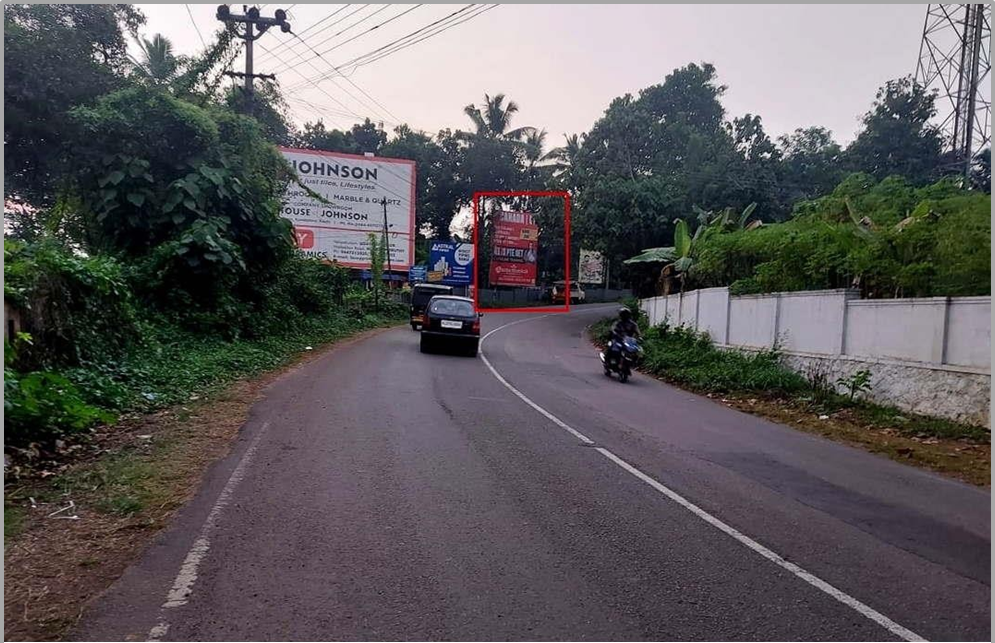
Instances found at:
x=513 y=255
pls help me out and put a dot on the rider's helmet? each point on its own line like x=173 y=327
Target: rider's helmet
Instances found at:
x=624 y=313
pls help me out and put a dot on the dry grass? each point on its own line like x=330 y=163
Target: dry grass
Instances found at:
x=126 y=487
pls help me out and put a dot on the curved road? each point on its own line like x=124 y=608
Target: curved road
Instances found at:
x=382 y=494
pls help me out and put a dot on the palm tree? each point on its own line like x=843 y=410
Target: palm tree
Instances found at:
x=534 y=142
x=158 y=64
x=495 y=118
x=563 y=160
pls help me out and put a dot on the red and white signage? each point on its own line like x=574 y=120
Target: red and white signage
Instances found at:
x=514 y=249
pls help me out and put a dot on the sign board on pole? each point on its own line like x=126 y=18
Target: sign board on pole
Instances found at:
x=516 y=241
x=352 y=188
x=450 y=263
x=591 y=267
x=418 y=274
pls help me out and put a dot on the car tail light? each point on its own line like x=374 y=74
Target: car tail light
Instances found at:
x=476 y=325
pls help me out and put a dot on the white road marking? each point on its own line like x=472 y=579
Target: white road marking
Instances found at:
x=813 y=580
x=187 y=576
x=552 y=418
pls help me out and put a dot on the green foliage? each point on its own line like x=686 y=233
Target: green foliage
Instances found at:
x=889 y=239
x=690 y=358
x=41 y=405
x=858 y=382
x=687 y=358
x=78 y=309
x=56 y=56
x=898 y=137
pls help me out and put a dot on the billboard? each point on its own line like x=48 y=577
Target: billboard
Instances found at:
x=352 y=188
x=450 y=263
x=514 y=249
x=592 y=267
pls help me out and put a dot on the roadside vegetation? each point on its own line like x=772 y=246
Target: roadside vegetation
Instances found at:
x=757 y=383
x=145 y=253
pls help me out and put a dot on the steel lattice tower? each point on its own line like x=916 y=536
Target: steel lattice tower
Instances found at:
x=954 y=58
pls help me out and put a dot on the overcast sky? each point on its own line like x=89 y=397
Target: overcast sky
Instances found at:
x=793 y=65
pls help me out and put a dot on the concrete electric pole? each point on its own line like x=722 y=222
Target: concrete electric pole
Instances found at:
x=255 y=26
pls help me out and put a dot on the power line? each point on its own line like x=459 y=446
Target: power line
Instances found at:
x=407 y=11
x=466 y=18
x=195 y=27
x=328 y=17
x=412 y=33
x=365 y=93
x=358 y=100
x=317 y=86
x=300 y=55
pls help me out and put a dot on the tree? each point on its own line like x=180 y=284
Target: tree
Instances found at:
x=897 y=135
x=563 y=161
x=494 y=119
x=437 y=188
x=267 y=106
x=191 y=195
x=315 y=136
x=981 y=173
x=55 y=57
x=760 y=171
x=157 y=65
x=533 y=143
x=811 y=163
x=368 y=137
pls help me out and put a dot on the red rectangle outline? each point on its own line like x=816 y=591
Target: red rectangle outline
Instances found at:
x=566 y=250
x=385 y=159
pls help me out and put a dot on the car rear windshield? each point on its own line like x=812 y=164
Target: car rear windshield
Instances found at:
x=421 y=295
x=451 y=307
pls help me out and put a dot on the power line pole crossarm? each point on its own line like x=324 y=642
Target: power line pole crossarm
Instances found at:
x=255 y=26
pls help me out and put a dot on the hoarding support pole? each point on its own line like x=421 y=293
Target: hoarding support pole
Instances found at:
x=386 y=240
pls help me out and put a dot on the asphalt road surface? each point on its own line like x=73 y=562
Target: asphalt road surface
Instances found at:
x=382 y=494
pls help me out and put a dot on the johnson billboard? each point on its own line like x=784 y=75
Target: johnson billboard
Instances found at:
x=344 y=203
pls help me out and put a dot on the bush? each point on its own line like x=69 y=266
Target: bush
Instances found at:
x=79 y=310
x=920 y=242
x=41 y=406
x=687 y=357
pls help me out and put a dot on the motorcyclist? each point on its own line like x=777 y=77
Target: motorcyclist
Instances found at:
x=626 y=326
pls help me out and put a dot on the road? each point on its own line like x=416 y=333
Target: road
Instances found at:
x=381 y=494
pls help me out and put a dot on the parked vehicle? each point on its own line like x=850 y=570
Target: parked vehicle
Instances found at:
x=451 y=321
x=575 y=293
x=420 y=296
x=621 y=356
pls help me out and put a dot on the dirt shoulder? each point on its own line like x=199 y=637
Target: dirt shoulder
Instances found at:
x=72 y=529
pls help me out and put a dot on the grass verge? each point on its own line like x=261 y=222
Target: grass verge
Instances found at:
x=124 y=482
x=757 y=383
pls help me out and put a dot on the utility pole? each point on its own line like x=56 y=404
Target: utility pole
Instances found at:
x=954 y=58
x=386 y=240
x=255 y=26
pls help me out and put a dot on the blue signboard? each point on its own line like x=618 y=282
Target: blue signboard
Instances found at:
x=450 y=263
x=366 y=275
x=418 y=274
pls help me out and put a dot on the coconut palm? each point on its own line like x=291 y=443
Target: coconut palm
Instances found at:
x=494 y=119
x=158 y=64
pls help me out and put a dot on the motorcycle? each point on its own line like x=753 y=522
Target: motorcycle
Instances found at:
x=620 y=356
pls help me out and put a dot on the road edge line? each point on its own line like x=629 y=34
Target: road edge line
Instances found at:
x=799 y=572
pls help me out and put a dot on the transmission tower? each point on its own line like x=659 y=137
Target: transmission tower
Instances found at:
x=954 y=58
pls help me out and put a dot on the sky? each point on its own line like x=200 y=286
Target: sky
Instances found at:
x=795 y=66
